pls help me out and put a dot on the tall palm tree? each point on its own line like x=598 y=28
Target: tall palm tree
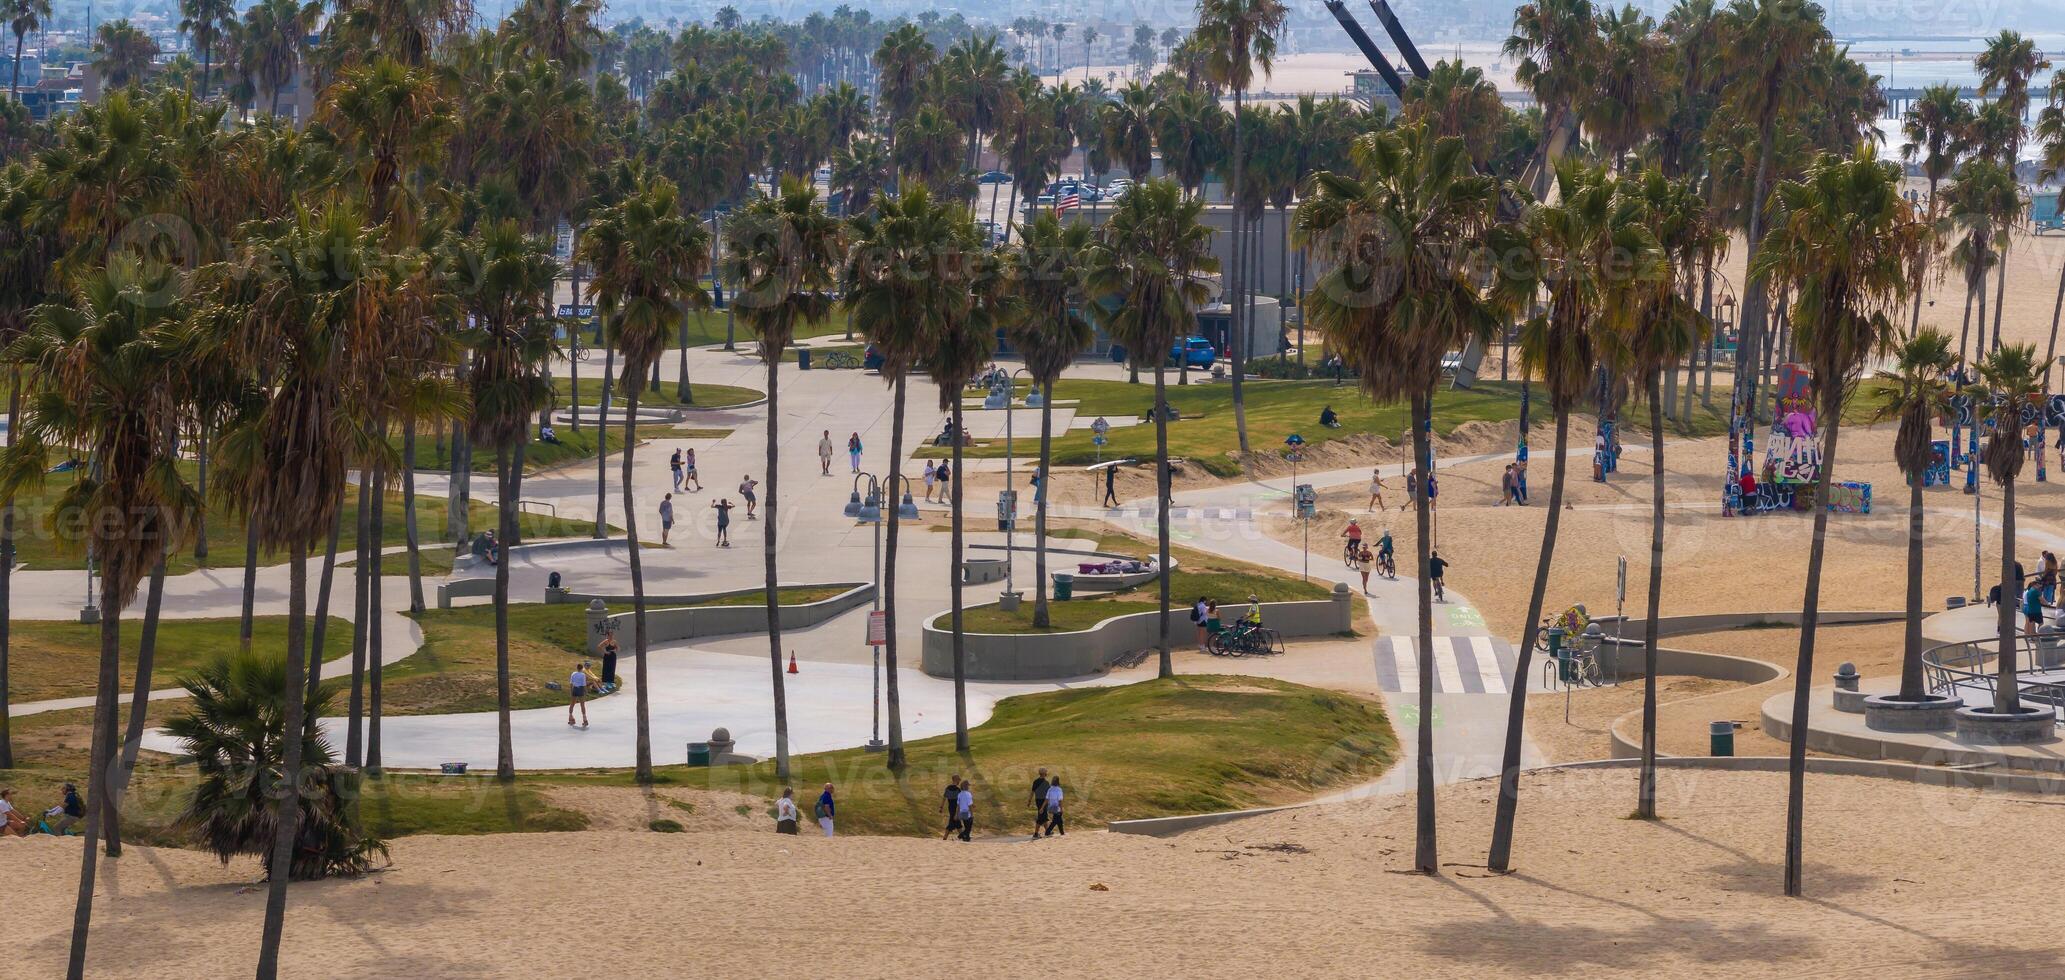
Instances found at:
x=1935 y=125
x=508 y=277
x=975 y=83
x=1143 y=284
x=903 y=62
x=1397 y=296
x=2050 y=130
x=123 y=53
x=2011 y=380
x=900 y=314
x=27 y=245
x=1129 y=127
x=780 y=256
x=1983 y=201
x=204 y=22
x=1916 y=393
x=23 y=18
x=1048 y=332
x=2008 y=64
x=1240 y=35
x=275 y=36
x=1845 y=237
x=100 y=361
x=1557 y=45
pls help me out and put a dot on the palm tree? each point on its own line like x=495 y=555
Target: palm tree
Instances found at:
x=1048 y=332
x=1143 y=283
x=1984 y=201
x=100 y=361
x=899 y=313
x=27 y=246
x=23 y=17
x=903 y=62
x=1568 y=245
x=975 y=83
x=2050 y=130
x=275 y=36
x=1935 y=126
x=124 y=53
x=2008 y=64
x=1915 y=394
x=928 y=148
x=204 y=22
x=2011 y=380
x=508 y=277
x=1239 y=35
x=1557 y=44
x=780 y=255
x=861 y=169
x=1397 y=296
x=1845 y=237
x=1129 y=126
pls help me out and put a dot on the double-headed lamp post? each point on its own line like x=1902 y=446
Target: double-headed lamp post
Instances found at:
x=868 y=510
x=1007 y=503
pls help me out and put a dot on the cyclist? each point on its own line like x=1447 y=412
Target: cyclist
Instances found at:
x=1387 y=561
x=1437 y=566
x=1252 y=619
x=1354 y=535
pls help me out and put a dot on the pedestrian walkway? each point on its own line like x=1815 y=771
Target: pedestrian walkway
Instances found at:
x=1462 y=665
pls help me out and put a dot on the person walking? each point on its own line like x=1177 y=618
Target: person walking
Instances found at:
x=1054 y=808
x=2047 y=576
x=1197 y=615
x=2032 y=609
x=945 y=473
x=723 y=508
x=1360 y=562
x=931 y=480
x=853 y=451
x=674 y=464
x=577 y=695
x=1376 y=489
x=785 y=816
x=666 y=518
x=1506 y=486
x=1039 y=803
x=948 y=802
x=688 y=470
x=825 y=810
x=746 y=488
x=1520 y=481
x=1111 y=484
x=824 y=454
x=964 y=809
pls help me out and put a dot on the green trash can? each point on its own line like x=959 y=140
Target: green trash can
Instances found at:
x=1064 y=586
x=1720 y=738
x=802 y=358
x=1566 y=667
x=698 y=753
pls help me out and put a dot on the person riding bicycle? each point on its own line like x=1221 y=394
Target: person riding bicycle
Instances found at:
x=1354 y=535
x=1386 y=555
x=1437 y=566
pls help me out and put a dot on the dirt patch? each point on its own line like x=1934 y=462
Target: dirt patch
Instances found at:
x=636 y=808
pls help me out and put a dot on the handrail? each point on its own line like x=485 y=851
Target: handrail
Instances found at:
x=1950 y=667
x=536 y=505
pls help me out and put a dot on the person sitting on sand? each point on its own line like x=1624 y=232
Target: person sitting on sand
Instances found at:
x=785 y=812
x=12 y=823
x=60 y=818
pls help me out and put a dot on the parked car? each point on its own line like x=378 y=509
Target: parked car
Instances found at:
x=1196 y=351
x=994 y=177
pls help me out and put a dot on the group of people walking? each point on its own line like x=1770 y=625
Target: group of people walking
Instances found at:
x=786 y=817
x=958 y=803
x=683 y=465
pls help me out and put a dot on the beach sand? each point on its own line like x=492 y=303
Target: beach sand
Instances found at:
x=1319 y=891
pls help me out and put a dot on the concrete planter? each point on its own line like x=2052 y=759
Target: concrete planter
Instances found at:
x=1933 y=713
x=1852 y=702
x=1986 y=726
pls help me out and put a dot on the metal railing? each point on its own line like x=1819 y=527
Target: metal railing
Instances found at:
x=1970 y=666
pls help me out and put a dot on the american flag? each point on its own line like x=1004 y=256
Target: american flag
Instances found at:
x=1068 y=202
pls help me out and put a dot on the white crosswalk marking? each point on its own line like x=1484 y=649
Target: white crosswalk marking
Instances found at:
x=1461 y=664
x=1402 y=650
x=1447 y=672
x=1488 y=670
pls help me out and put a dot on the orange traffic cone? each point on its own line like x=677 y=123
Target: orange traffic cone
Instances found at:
x=792 y=661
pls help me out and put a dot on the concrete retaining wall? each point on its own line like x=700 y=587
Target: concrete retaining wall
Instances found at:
x=1636 y=629
x=1682 y=663
x=684 y=623
x=1059 y=561
x=1053 y=656
x=534 y=552
x=1776 y=715
x=463 y=587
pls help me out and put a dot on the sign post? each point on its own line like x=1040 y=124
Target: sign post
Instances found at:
x=1097 y=431
x=1299 y=497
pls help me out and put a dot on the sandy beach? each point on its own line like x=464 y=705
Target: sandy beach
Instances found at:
x=1890 y=886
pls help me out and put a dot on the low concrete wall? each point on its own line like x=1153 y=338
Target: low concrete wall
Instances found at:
x=1053 y=656
x=538 y=550
x=1058 y=561
x=1682 y=663
x=1636 y=629
x=1776 y=715
x=689 y=622
x=1170 y=826
x=980 y=571
x=463 y=587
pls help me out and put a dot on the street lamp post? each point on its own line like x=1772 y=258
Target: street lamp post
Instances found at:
x=1295 y=442
x=869 y=511
x=1007 y=501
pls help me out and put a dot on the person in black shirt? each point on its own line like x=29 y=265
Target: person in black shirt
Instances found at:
x=1111 y=482
x=1039 y=802
x=952 y=795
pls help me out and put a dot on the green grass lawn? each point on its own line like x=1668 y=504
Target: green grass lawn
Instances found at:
x=1190 y=744
x=436 y=560
x=701 y=395
x=573 y=447
x=42 y=543
x=57 y=659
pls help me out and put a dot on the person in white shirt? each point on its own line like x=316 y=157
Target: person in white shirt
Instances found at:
x=1054 y=808
x=785 y=812
x=964 y=809
x=577 y=688
x=12 y=823
x=824 y=454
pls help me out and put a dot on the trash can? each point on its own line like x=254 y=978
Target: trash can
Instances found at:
x=1565 y=670
x=802 y=364
x=699 y=753
x=1720 y=738
x=1064 y=586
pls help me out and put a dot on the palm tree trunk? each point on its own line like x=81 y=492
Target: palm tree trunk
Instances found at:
x=1810 y=619
x=958 y=578
x=1040 y=620
x=409 y=514
x=1706 y=309
x=609 y=367
x=894 y=710
x=108 y=683
x=1283 y=278
x=1645 y=796
x=1756 y=300
x=1500 y=859
x=1911 y=656
x=2050 y=354
x=1237 y=284
x=1425 y=859
x=286 y=801
x=319 y=629
x=682 y=391
x=1162 y=491
x=14 y=400
x=201 y=512
x=250 y=584
x=773 y=570
x=140 y=688
x=2000 y=286
x=2007 y=691
x=505 y=751
x=370 y=626
x=14 y=84
x=354 y=724
x=1979 y=347
x=638 y=640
